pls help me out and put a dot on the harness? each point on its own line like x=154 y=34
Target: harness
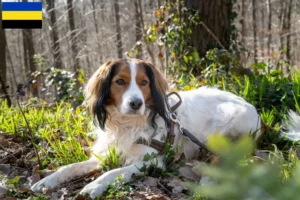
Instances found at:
x=160 y=146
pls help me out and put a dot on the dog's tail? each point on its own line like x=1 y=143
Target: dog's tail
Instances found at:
x=291 y=127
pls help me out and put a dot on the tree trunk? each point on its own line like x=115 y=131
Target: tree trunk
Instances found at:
x=29 y=53
x=25 y=53
x=243 y=54
x=88 y=68
x=243 y=22
x=118 y=28
x=97 y=30
x=3 y=66
x=148 y=46
x=74 y=42
x=254 y=30
x=282 y=25
x=269 y=31
x=158 y=3
x=262 y=31
x=288 y=39
x=138 y=30
x=57 y=57
x=215 y=15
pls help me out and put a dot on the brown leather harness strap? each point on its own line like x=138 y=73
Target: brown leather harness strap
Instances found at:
x=174 y=107
x=160 y=146
x=171 y=133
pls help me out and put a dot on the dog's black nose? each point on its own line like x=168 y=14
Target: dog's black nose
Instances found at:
x=136 y=103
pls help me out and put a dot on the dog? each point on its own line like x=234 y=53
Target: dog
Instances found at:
x=127 y=99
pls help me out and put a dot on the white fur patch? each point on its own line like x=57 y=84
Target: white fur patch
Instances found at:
x=132 y=92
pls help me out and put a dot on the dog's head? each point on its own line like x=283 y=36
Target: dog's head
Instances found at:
x=130 y=85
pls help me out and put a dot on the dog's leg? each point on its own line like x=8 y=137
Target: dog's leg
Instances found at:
x=65 y=174
x=97 y=187
x=135 y=156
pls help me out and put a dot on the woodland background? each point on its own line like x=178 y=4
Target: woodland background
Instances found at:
x=83 y=34
x=247 y=47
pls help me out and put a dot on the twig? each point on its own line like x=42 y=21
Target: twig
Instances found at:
x=163 y=187
x=212 y=34
x=31 y=134
x=3 y=160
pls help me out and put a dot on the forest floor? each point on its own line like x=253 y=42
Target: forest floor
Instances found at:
x=19 y=168
x=61 y=138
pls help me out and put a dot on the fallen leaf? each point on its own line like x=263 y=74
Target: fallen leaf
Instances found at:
x=187 y=172
x=5 y=169
x=149 y=181
x=34 y=179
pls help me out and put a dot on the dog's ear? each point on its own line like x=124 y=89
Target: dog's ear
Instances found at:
x=94 y=86
x=158 y=87
x=97 y=92
x=160 y=81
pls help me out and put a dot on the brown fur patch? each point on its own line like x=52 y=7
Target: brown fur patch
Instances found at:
x=141 y=75
x=160 y=81
x=116 y=90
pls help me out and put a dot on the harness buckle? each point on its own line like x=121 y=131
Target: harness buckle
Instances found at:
x=174 y=119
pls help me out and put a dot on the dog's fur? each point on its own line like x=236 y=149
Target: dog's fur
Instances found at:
x=127 y=99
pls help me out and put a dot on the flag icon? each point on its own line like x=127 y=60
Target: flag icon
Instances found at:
x=22 y=15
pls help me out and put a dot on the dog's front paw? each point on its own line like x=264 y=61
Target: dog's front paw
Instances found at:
x=48 y=182
x=94 y=189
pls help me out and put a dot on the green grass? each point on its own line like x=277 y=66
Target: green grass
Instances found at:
x=112 y=159
x=61 y=127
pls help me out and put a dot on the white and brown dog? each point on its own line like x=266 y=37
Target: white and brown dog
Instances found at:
x=128 y=101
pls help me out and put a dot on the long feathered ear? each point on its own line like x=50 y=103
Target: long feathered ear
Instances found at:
x=160 y=81
x=158 y=87
x=97 y=93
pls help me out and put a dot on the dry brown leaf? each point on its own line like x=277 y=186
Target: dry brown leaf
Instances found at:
x=187 y=172
x=150 y=181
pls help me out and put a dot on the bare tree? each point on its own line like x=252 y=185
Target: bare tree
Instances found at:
x=57 y=57
x=158 y=3
x=269 y=30
x=138 y=29
x=148 y=46
x=118 y=29
x=282 y=24
x=243 y=22
x=85 y=41
x=29 y=53
x=254 y=29
x=25 y=54
x=262 y=30
x=288 y=40
x=97 y=30
x=74 y=42
x=3 y=66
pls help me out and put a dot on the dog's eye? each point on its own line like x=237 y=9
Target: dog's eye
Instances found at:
x=120 y=82
x=144 y=83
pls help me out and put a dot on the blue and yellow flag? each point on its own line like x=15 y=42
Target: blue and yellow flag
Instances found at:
x=22 y=15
